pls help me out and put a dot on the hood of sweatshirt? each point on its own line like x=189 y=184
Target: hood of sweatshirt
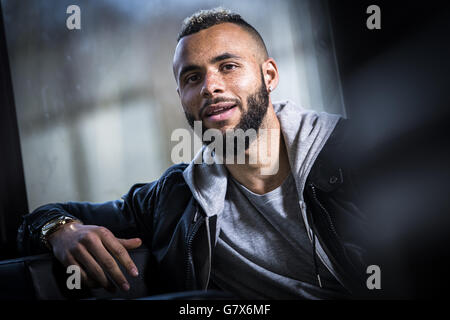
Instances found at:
x=304 y=131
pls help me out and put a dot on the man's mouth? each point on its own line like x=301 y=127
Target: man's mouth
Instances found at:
x=219 y=111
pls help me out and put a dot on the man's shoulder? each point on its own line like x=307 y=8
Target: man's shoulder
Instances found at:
x=342 y=144
x=170 y=183
x=172 y=176
x=337 y=157
x=175 y=170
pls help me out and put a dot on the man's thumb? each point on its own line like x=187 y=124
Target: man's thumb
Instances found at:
x=131 y=243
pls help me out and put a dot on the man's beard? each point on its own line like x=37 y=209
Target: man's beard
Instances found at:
x=257 y=105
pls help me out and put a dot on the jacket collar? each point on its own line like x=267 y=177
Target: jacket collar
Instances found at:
x=304 y=137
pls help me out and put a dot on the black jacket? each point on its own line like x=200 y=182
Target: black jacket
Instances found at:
x=169 y=220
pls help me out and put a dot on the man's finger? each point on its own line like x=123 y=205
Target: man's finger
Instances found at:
x=119 y=251
x=84 y=277
x=107 y=262
x=130 y=243
x=92 y=268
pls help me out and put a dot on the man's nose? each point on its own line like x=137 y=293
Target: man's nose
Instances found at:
x=212 y=84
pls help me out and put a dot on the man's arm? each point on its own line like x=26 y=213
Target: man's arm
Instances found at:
x=94 y=243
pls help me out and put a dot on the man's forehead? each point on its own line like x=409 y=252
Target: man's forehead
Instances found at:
x=207 y=43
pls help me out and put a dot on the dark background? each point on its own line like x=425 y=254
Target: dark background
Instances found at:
x=13 y=198
x=395 y=87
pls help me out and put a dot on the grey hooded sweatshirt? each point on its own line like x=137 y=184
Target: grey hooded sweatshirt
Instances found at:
x=262 y=242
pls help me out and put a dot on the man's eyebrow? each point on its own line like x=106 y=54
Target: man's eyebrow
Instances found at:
x=224 y=56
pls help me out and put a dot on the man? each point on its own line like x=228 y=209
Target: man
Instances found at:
x=289 y=234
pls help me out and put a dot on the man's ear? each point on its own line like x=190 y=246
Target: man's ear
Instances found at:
x=178 y=91
x=270 y=72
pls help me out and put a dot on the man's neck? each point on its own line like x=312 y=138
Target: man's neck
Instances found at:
x=272 y=165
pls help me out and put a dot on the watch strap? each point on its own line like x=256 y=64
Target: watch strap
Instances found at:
x=53 y=225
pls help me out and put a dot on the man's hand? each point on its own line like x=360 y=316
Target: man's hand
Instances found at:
x=92 y=248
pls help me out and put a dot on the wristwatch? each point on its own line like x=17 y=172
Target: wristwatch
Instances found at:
x=53 y=225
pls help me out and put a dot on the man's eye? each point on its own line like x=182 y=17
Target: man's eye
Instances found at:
x=192 y=78
x=229 y=67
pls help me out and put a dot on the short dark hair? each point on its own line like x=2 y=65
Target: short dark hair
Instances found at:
x=205 y=19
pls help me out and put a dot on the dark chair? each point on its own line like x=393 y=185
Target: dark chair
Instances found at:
x=42 y=277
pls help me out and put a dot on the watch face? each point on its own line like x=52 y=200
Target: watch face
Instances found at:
x=47 y=227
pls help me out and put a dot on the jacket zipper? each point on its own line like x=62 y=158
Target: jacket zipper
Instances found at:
x=332 y=229
x=189 y=258
x=324 y=210
x=209 y=253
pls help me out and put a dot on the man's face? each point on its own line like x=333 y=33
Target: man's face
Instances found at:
x=220 y=80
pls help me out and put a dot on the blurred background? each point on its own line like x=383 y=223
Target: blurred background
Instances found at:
x=96 y=107
x=87 y=113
